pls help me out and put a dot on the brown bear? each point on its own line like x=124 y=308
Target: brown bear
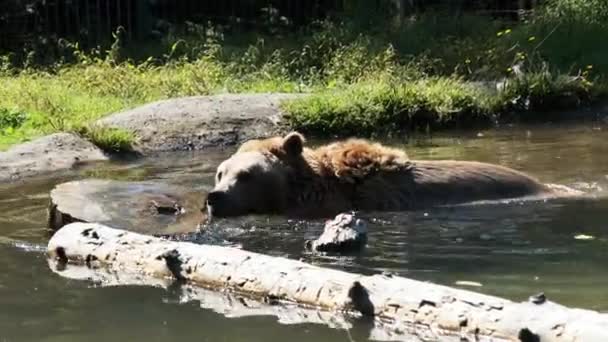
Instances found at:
x=280 y=176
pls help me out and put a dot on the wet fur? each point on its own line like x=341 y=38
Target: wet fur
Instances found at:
x=361 y=175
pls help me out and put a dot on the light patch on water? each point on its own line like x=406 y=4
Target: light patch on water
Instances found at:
x=588 y=187
x=23 y=245
x=584 y=237
x=467 y=283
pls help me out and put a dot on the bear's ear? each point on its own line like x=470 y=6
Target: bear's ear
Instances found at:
x=293 y=144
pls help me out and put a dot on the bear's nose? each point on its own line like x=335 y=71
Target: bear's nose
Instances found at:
x=215 y=197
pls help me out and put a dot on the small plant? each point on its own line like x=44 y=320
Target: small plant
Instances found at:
x=11 y=119
x=113 y=140
x=116 y=52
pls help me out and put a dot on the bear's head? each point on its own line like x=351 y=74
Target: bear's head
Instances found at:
x=254 y=180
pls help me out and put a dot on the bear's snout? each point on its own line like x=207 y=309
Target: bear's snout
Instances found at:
x=220 y=204
x=215 y=198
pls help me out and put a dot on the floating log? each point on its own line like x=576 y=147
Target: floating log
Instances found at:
x=144 y=207
x=397 y=301
x=234 y=305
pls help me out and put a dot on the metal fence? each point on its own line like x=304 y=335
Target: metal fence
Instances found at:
x=83 y=20
x=92 y=22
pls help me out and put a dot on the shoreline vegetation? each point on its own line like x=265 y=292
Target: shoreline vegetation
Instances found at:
x=433 y=71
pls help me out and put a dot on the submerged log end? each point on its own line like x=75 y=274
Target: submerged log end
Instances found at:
x=146 y=207
x=95 y=245
x=57 y=219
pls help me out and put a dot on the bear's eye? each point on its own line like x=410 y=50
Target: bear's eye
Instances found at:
x=219 y=176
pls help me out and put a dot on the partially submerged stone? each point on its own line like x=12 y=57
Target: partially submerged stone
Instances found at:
x=345 y=233
x=55 y=152
x=144 y=207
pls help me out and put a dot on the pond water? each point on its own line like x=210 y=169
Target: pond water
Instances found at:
x=512 y=250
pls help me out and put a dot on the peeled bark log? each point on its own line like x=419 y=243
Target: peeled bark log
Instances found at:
x=234 y=305
x=397 y=301
x=144 y=207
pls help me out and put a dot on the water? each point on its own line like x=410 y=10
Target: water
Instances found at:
x=512 y=249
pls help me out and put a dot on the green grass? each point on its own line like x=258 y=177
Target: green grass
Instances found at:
x=437 y=103
x=362 y=77
x=51 y=104
x=108 y=139
x=370 y=107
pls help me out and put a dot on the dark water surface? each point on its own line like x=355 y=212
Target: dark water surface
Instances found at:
x=512 y=249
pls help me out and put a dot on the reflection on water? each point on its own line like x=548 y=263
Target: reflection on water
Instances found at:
x=513 y=249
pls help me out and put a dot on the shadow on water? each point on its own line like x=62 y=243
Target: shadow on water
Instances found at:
x=511 y=249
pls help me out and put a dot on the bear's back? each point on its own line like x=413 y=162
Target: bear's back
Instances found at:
x=428 y=183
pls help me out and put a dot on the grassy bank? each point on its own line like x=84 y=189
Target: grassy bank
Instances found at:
x=434 y=71
x=435 y=103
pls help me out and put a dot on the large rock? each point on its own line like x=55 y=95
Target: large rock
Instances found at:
x=144 y=207
x=194 y=123
x=60 y=151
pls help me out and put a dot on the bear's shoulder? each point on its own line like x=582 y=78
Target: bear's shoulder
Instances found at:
x=356 y=159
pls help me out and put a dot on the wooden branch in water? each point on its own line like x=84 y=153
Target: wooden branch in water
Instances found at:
x=400 y=302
